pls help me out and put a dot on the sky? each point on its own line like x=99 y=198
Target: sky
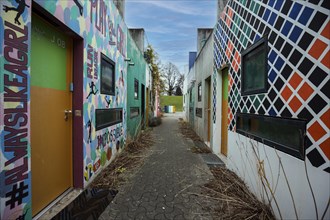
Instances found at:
x=171 y=25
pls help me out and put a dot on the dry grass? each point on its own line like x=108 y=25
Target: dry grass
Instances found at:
x=125 y=163
x=235 y=201
x=187 y=131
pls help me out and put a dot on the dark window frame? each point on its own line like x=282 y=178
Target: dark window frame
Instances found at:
x=299 y=123
x=101 y=125
x=108 y=61
x=134 y=108
x=136 y=89
x=262 y=43
x=199 y=112
x=199 y=92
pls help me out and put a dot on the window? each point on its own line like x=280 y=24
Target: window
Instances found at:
x=107 y=117
x=107 y=76
x=254 y=68
x=200 y=92
x=199 y=112
x=136 y=89
x=287 y=135
x=190 y=96
x=134 y=112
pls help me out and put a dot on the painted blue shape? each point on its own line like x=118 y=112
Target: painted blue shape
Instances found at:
x=279 y=63
x=272 y=76
x=271 y=3
x=286 y=28
x=295 y=10
x=305 y=15
x=266 y=14
x=278 y=4
x=272 y=56
x=272 y=112
x=272 y=18
x=295 y=34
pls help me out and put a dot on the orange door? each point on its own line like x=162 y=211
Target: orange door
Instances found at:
x=224 y=113
x=208 y=110
x=51 y=130
x=147 y=107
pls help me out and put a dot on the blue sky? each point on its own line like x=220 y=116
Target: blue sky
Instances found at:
x=171 y=25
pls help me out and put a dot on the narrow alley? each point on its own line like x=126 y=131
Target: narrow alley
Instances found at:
x=162 y=188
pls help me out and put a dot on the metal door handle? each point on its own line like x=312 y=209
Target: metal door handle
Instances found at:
x=66 y=114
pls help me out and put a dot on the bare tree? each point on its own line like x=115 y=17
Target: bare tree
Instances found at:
x=179 y=85
x=170 y=74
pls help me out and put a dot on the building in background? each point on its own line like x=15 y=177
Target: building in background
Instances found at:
x=138 y=97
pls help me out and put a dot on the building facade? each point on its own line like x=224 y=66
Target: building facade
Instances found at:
x=63 y=98
x=271 y=101
x=136 y=80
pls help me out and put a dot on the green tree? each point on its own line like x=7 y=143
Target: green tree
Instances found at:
x=152 y=59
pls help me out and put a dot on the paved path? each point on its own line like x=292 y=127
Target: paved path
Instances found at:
x=163 y=187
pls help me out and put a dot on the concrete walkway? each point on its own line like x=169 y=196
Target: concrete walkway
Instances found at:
x=165 y=186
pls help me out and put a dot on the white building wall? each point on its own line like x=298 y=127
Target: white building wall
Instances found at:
x=247 y=164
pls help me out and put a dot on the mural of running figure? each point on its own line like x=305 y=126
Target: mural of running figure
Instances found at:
x=20 y=9
x=89 y=127
x=92 y=87
x=81 y=9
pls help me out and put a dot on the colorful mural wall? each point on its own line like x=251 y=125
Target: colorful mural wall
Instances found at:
x=298 y=34
x=103 y=31
x=15 y=167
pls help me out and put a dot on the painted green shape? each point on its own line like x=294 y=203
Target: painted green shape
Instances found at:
x=256 y=103
x=256 y=9
x=244 y=110
x=51 y=6
x=235 y=104
x=261 y=97
x=241 y=38
x=74 y=13
x=93 y=155
x=103 y=158
x=225 y=85
x=245 y=42
x=248 y=31
x=48 y=56
x=252 y=5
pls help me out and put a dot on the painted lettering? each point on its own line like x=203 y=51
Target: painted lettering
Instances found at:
x=90 y=63
x=18 y=173
x=100 y=9
x=15 y=79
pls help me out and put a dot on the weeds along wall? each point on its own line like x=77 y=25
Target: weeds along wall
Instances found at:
x=298 y=73
x=102 y=33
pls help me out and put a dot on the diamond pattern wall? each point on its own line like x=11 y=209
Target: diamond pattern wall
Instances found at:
x=298 y=64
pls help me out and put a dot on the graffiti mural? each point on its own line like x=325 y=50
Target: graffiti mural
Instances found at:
x=103 y=31
x=15 y=170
